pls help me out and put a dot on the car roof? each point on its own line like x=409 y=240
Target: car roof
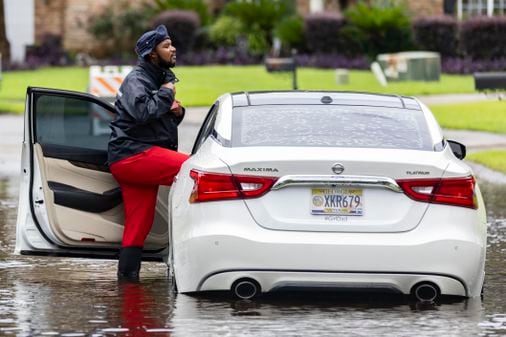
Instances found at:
x=256 y=98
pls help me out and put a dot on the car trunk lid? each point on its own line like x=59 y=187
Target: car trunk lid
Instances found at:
x=309 y=196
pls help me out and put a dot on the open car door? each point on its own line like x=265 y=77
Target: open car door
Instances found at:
x=70 y=204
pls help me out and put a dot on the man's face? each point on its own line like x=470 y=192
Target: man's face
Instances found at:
x=165 y=54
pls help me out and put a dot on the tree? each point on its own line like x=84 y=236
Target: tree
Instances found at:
x=4 y=43
x=117 y=28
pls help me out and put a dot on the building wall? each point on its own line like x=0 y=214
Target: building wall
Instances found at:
x=425 y=7
x=77 y=12
x=49 y=18
x=69 y=20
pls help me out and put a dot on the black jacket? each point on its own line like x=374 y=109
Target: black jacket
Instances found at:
x=143 y=112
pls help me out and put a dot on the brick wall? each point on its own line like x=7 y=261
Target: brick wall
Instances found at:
x=215 y=6
x=303 y=6
x=49 y=18
x=76 y=37
x=425 y=7
x=69 y=20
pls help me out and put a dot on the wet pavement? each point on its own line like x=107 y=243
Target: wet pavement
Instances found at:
x=49 y=296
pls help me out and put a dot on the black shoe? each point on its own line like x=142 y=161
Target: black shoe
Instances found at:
x=129 y=263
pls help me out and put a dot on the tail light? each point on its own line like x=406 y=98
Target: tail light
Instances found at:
x=447 y=191
x=217 y=186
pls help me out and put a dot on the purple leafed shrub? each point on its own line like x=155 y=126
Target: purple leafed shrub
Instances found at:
x=48 y=52
x=436 y=33
x=484 y=37
x=182 y=27
x=28 y=65
x=454 y=65
x=332 y=61
x=323 y=32
x=237 y=56
x=223 y=55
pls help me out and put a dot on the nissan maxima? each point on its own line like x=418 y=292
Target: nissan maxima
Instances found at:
x=326 y=190
x=284 y=190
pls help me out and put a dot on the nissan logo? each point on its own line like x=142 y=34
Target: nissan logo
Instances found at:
x=337 y=168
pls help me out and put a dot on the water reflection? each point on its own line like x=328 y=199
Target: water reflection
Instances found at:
x=5 y=205
x=79 y=297
x=140 y=310
x=495 y=285
x=494 y=196
x=311 y=314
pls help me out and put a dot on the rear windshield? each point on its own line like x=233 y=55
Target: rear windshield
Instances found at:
x=330 y=125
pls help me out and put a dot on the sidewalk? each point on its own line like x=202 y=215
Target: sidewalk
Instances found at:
x=454 y=98
x=480 y=141
x=477 y=140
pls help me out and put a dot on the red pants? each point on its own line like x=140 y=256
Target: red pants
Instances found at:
x=139 y=177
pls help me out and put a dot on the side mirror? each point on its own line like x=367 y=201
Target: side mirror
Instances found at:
x=458 y=149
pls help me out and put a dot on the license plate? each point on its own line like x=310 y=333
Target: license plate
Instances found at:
x=337 y=201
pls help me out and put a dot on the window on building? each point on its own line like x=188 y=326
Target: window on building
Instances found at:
x=481 y=7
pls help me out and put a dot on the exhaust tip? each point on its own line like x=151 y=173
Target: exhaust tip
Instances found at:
x=245 y=288
x=426 y=291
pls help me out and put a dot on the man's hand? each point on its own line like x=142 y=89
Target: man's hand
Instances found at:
x=170 y=85
x=176 y=108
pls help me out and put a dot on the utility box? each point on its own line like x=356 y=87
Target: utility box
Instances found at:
x=490 y=81
x=104 y=82
x=342 y=76
x=411 y=66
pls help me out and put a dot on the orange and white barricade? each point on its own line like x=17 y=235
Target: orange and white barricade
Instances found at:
x=104 y=82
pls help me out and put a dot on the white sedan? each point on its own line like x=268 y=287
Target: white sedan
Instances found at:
x=284 y=190
x=326 y=190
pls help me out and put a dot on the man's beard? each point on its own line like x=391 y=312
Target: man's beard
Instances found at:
x=165 y=64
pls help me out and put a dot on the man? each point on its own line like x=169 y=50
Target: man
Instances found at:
x=143 y=144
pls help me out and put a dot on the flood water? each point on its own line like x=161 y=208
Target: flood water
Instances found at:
x=79 y=297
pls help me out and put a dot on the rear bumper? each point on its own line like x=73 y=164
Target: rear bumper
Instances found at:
x=446 y=248
x=272 y=280
x=215 y=262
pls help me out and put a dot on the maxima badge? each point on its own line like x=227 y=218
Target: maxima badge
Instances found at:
x=337 y=168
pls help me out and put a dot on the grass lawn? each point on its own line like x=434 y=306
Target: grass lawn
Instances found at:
x=200 y=86
x=481 y=116
x=14 y=84
x=494 y=159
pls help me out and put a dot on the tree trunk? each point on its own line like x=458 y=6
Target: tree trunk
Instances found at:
x=4 y=43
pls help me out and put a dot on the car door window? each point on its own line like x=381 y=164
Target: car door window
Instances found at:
x=207 y=127
x=71 y=122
